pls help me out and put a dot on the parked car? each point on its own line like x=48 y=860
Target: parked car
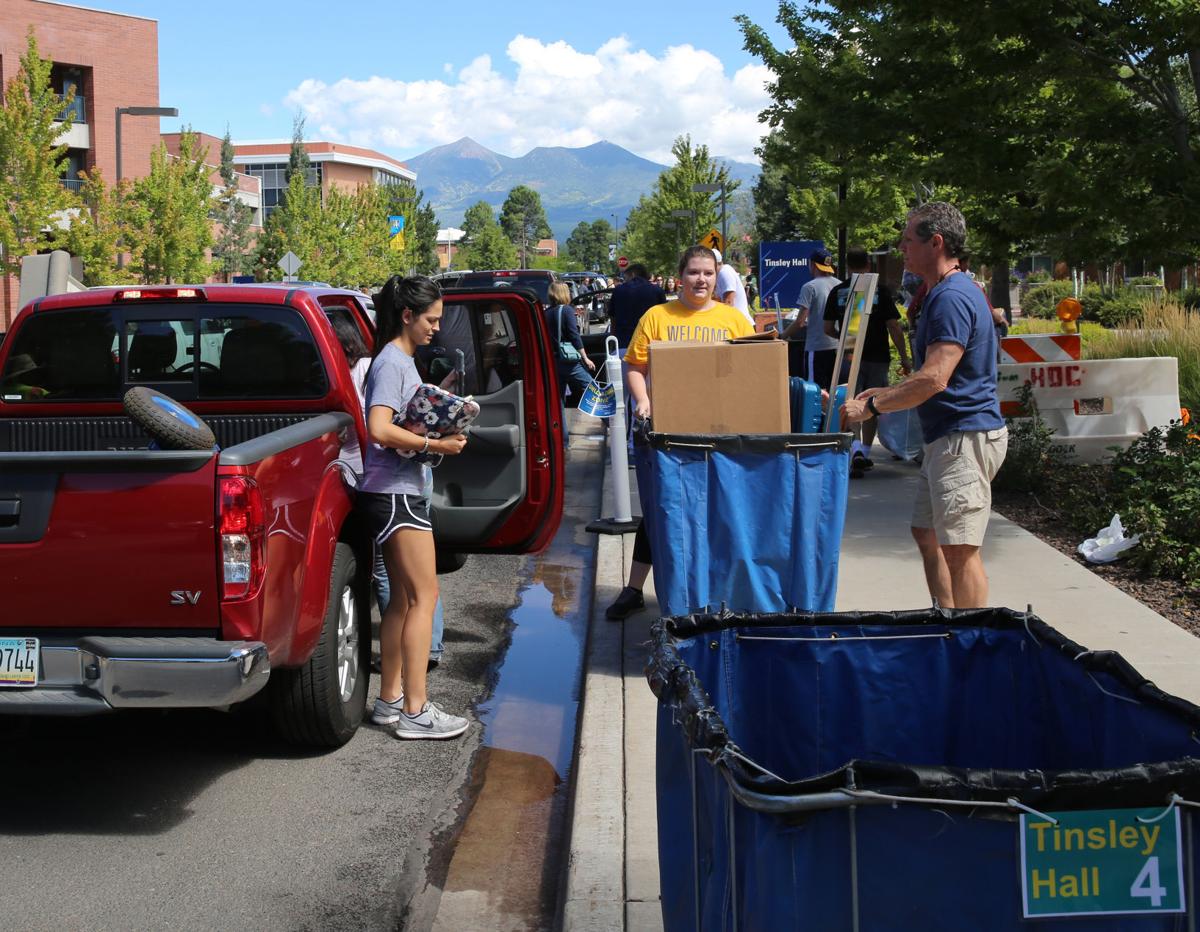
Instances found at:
x=145 y=577
x=537 y=280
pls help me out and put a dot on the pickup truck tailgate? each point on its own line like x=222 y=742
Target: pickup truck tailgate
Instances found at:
x=108 y=540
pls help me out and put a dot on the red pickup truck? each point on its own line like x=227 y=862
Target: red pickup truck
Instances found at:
x=136 y=577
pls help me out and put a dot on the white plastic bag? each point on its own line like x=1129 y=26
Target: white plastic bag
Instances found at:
x=1108 y=544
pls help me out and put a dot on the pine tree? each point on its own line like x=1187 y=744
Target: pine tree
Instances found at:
x=523 y=221
x=231 y=251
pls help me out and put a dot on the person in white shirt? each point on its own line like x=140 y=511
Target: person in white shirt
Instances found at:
x=730 y=289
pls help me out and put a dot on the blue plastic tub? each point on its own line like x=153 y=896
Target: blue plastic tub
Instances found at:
x=868 y=771
x=745 y=522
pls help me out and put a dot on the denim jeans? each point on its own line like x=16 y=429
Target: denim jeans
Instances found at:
x=383 y=590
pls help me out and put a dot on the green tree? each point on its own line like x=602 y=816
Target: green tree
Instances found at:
x=486 y=247
x=31 y=159
x=420 y=228
x=652 y=231
x=523 y=221
x=291 y=227
x=423 y=248
x=478 y=216
x=166 y=215
x=94 y=232
x=231 y=251
x=1091 y=151
x=298 y=160
x=588 y=243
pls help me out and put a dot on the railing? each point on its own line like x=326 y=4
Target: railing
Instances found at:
x=76 y=108
x=72 y=184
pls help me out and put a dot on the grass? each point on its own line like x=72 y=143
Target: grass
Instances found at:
x=1167 y=328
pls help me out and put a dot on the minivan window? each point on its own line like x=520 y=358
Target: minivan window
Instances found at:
x=537 y=282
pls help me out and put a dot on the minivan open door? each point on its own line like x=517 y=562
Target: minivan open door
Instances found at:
x=504 y=493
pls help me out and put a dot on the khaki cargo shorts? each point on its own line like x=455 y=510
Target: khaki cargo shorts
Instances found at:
x=954 y=495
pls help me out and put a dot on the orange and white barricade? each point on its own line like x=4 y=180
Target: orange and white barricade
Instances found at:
x=1040 y=347
x=1098 y=403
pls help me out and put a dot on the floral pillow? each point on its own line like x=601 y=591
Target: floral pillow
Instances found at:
x=435 y=412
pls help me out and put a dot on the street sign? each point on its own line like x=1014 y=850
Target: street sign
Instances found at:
x=290 y=263
x=622 y=262
x=612 y=251
x=713 y=240
x=1103 y=862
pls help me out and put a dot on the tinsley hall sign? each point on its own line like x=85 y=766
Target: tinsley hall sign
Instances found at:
x=1102 y=862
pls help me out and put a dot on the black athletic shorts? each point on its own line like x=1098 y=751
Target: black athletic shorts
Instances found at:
x=385 y=513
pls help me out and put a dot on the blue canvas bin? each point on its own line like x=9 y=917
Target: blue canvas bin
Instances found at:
x=867 y=771
x=748 y=522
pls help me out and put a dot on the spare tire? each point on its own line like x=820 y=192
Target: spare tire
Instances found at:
x=167 y=421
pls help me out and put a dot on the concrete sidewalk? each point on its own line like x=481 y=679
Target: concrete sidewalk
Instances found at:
x=612 y=871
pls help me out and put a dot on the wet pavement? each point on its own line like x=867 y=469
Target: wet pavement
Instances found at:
x=500 y=867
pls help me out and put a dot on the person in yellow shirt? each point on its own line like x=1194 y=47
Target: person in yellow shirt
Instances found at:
x=695 y=317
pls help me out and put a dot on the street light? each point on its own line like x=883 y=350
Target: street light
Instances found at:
x=687 y=213
x=139 y=111
x=709 y=189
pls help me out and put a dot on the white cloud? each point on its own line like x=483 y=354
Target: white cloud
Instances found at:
x=558 y=96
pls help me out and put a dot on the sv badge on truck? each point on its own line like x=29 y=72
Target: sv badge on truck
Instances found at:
x=184 y=597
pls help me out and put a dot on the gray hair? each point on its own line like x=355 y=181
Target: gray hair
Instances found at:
x=939 y=217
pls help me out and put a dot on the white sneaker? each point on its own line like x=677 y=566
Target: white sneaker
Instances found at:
x=387 y=713
x=430 y=723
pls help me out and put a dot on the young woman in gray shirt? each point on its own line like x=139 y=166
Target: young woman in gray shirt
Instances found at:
x=409 y=312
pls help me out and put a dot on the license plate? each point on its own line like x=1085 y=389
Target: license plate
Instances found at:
x=18 y=661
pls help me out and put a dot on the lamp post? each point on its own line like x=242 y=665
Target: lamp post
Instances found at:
x=135 y=111
x=709 y=189
x=139 y=111
x=692 y=222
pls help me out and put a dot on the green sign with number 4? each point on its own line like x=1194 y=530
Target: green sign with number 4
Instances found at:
x=1102 y=861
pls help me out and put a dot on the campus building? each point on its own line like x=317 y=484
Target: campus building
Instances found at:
x=334 y=165
x=111 y=62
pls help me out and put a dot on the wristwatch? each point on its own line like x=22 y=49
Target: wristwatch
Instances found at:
x=871 y=406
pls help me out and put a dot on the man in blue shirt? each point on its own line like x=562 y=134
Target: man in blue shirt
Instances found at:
x=954 y=392
x=630 y=300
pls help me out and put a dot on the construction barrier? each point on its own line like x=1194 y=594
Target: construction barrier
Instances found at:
x=1040 y=347
x=1097 y=404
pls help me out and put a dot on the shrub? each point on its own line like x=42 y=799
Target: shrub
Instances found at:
x=1154 y=486
x=1038 y=276
x=1190 y=299
x=1033 y=463
x=1041 y=301
x=1113 y=310
x=1144 y=280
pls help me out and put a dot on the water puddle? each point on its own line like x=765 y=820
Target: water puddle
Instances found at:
x=506 y=868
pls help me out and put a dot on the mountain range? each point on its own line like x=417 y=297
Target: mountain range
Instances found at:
x=585 y=184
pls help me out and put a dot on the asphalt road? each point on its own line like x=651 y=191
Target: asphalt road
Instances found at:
x=204 y=820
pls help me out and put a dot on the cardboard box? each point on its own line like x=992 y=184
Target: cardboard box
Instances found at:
x=734 y=387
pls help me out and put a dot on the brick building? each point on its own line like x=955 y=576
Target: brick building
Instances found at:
x=333 y=165
x=111 y=61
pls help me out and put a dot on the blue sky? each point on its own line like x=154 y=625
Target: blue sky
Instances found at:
x=402 y=77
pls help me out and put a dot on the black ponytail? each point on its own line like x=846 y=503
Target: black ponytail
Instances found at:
x=415 y=293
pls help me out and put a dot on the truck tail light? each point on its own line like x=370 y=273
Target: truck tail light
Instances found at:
x=243 y=537
x=160 y=294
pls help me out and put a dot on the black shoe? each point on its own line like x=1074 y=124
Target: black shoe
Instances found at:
x=629 y=601
x=859 y=465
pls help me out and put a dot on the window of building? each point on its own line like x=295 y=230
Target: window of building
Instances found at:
x=273 y=179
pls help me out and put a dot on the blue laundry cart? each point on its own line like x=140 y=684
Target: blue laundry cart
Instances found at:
x=745 y=522
x=924 y=770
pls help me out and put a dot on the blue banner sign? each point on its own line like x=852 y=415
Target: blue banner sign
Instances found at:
x=783 y=271
x=395 y=225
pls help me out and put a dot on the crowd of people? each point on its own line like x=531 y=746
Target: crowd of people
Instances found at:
x=949 y=378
